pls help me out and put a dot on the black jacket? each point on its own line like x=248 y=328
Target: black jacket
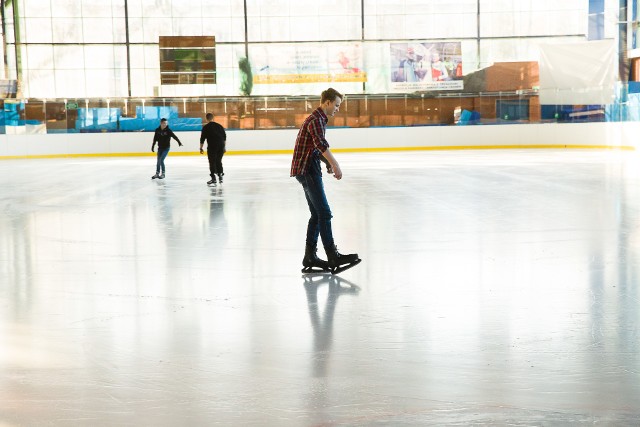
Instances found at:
x=163 y=138
x=214 y=134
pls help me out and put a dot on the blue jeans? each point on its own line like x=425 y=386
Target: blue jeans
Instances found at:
x=162 y=154
x=320 y=221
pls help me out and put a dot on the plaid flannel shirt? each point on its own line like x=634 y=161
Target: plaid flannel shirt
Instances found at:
x=310 y=138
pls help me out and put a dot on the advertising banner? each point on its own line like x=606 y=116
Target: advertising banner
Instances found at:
x=426 y=66
x=307 y=63
x=187 y=60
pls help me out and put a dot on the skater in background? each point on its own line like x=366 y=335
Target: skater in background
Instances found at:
x=163 y=137
x=216 y=146
x=311 y=148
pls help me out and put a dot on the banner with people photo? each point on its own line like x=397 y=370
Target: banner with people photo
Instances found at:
x=307 y=63
x=426 y=66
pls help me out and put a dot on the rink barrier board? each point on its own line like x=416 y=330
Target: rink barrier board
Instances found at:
x=603 y=135
x=336 y=150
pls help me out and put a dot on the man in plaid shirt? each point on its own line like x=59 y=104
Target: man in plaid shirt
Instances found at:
x=312 y=148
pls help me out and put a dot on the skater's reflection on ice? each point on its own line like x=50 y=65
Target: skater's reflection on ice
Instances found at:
x=216 y=191
x=323 y=325
x=218 y=228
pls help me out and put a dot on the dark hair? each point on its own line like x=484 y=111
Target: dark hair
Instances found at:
x=209 y=116
x=330 y=95
x=163 y=120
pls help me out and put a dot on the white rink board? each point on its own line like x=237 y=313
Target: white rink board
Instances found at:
x=607 y=134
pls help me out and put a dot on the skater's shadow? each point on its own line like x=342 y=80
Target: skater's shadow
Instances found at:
x=323 y=324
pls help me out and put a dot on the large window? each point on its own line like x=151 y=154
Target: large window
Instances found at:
x=415 y=19
x=303 y=20
x=509 y=18
x=109 y=48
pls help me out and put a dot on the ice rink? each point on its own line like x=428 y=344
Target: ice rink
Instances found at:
x=497 y=287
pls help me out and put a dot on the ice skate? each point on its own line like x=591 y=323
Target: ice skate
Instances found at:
x=155 y=176
x=212 y=181
x=161 y=176
x=312 y=264
x=220 y=175
x=339 y=262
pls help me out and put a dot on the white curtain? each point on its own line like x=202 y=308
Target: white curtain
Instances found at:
x=578 y=73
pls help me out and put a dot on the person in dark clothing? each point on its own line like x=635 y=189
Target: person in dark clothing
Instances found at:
x=163 y=137
x=216 y=146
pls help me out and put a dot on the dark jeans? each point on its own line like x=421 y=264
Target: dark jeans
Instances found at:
x=215 y=153
x=320 y=221
x=162 y=154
